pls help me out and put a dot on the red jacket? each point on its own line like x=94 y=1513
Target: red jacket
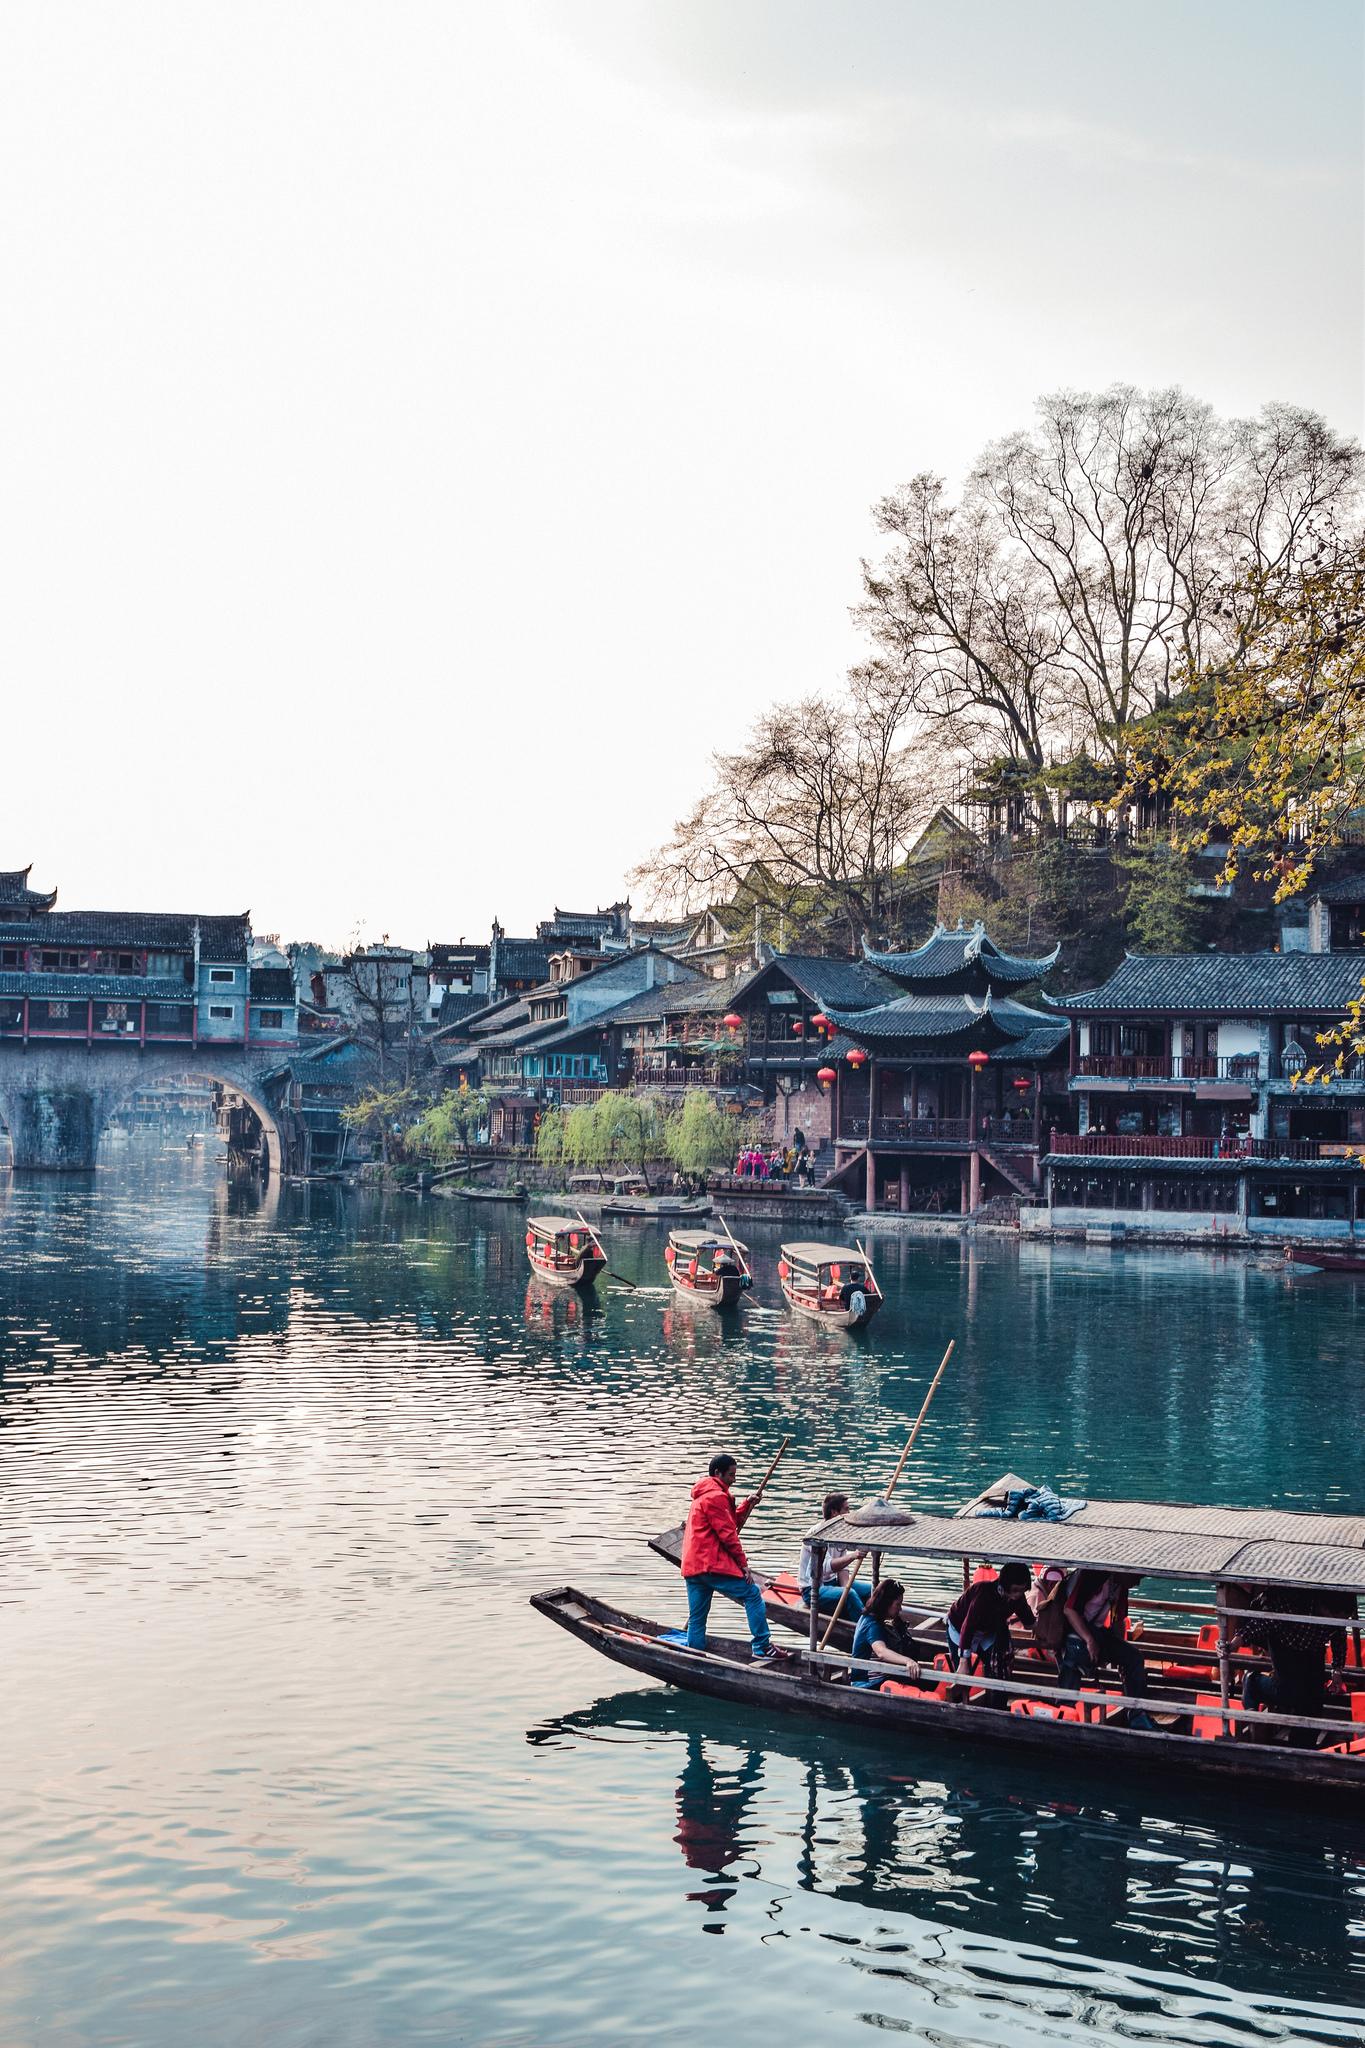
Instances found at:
x=711 y=1541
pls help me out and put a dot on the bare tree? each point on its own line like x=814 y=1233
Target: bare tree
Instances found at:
x=1086 y=570
x=811 y=817
x=377 y=985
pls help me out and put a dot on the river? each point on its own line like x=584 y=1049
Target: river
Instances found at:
x=287 y=1759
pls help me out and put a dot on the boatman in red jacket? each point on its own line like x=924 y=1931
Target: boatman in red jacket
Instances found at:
x=713 y=1559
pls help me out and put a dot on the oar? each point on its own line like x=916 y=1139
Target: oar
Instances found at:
x=739 y=1250
x=598 y=1242
x=870 y=1274
x=895 y=1476
x=771 y=1469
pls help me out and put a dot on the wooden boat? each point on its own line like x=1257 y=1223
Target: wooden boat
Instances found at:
x=1315 y=1562
x=1324 y=1259
x=708 y=1268
x=562 y=1251
x=830 y=1283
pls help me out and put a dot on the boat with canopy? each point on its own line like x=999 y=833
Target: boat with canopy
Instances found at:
x=563 y=1251
x=1250 y=1566
x=831 y=1283
x=708 y=1267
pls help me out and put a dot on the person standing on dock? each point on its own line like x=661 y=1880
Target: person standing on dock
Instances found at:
x=713 y=1559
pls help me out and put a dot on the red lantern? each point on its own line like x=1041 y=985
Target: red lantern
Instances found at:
x=733 y=1022
x=856 y=1057
x=797 y=1027
x=1022 y=1083
x=820 y=1021
x=826 y=1077
x=978 y=1060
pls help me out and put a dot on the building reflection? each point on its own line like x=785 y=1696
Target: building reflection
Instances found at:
x=1174 y=1879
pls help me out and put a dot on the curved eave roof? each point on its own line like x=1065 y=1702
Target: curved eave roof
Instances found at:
x=1232 y=984
x=960 y=959
x=954 y=1022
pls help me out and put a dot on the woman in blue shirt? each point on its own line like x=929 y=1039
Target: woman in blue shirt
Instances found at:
x=872 y=1638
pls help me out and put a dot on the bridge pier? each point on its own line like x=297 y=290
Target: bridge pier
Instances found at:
x=54 y=1128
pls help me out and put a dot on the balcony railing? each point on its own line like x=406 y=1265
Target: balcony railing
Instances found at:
x=1136 y=1066
x=684 y=1077
x=1148 y=1145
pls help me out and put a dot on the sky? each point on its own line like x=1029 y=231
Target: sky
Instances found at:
x=428 y=431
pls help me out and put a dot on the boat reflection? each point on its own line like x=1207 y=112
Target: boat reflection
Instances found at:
x=992 y=1849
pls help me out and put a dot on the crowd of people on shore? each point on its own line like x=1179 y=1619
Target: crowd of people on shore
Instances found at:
x=790 y=1162
x=1079 y=1618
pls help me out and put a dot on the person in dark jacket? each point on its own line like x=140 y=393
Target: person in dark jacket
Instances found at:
x=979 y=1624
x=1297 y=1680
x=713 y=1559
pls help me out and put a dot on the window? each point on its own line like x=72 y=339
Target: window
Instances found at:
x=9 y=956
x=228 y=974
x=58 y=1012
x=127 y=963
x=164 y=965
x=270 y=1020
x=51 y=961
x=220 y=1010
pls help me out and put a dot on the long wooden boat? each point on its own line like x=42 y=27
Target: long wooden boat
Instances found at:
x=563 y=1252
x=1309 y=1568
x=707 y=1267
x=831 y=1283
x=1324 y=1258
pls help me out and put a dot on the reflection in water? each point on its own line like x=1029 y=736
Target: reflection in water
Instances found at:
x=1148 y=1888
x=277 y=1473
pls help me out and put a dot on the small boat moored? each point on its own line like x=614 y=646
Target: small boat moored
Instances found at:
x=1324 y=1258
x=707 y=1267
x=830 y=1283
x=564 y=1252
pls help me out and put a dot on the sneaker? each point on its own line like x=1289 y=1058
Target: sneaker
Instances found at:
x=768 y=1656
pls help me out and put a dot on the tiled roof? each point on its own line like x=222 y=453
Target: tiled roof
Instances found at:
x=958 y=1021
x=1236 y=984
x=844 y=984
x=522 y=960
x=99 y=988
x=961 y=959
x=16 y=894
x=703 y=997
x=1345 y=889
x=221 y=939
x=272 y=984
x=457 y=1009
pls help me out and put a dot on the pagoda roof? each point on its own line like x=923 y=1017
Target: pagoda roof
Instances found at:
x=963 y=959
x=954 y=1023
x=15 y=893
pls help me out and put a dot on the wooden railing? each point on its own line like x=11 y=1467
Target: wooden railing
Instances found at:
x=1149 y=1145
x=1135 y=1066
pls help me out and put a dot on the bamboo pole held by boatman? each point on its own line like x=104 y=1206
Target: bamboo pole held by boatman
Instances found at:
x=744 y=1264
x=895 y=1476
x=757 y=1494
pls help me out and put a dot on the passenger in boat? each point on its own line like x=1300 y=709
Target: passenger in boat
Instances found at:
x=837 y=1572
x=872 y=1637
x=1096 y=1612
x=1297 y=1680
x=713 y=1559
x=979 y=1624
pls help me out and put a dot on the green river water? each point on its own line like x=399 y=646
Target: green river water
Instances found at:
x=286 y=1758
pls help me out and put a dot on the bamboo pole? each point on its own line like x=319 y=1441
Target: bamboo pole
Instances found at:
x=757 y=1495
x=611 y=1273
x=739 y=1249
x=895 y=1476
x=876 y=1284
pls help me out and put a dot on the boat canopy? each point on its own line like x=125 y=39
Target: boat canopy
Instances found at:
x=1253 y=1546
x=558 y=1226
x=701 y=1241
x=822 y=1254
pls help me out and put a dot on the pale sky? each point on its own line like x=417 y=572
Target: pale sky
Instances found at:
x=426 y=431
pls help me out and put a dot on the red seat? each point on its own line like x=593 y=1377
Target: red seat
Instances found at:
x=1209 y=1724
x=1048 y=1710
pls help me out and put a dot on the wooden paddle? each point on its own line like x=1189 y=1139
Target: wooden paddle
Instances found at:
x=756 y=1495
x=895 y=1476
x=744 y=1264
x=611 y=1274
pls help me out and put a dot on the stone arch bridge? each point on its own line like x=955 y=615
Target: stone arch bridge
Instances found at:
x=56 y=1099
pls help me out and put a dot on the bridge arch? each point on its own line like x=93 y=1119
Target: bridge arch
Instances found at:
x=56 y=1100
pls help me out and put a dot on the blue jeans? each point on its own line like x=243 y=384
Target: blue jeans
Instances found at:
x=699 y=1591
x=859 y=1593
